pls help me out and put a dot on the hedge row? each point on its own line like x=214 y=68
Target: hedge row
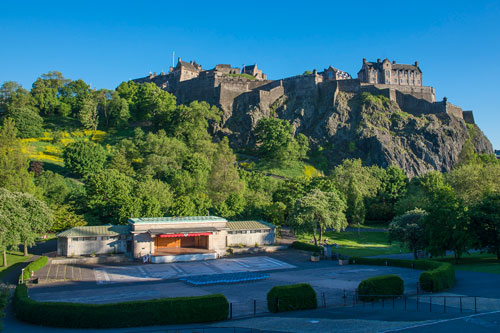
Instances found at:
x=438 y=276
x=291 y=298
x=163 y=311
x=374 y=288
x=306 y=247
x=33 y=266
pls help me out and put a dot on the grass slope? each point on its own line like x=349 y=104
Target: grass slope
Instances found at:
x=367 y=244
x=475 y=262
x=14 y=259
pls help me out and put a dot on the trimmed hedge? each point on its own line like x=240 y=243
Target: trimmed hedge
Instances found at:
x=438 y=276
x=163 y=311
x=373 y=288
x=34 y=266
x=307 y=247
x=290 y=298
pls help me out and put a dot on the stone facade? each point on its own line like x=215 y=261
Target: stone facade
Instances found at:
x=223 y=87
x=385 y=72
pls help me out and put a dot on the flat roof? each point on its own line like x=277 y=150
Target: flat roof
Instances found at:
x=96 y=230
x=182 y=230
x=175 y=219
x=249 y=225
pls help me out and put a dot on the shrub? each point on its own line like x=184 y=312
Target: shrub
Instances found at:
x=439 y=276
x=84 y=157
x=291 y=298
x=307 y=247
x=163 y=311
x=34 y=266
x=371 y=289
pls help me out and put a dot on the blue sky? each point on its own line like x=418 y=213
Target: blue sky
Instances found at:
x=457 y=43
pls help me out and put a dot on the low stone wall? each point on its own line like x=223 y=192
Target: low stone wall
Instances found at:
x=260 y=249
x=91 y=260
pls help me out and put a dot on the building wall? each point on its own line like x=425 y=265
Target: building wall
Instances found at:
x=70 y=246
x=249 y=238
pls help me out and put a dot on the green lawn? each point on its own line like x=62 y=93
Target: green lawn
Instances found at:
x=476 y=262
x=13 y=260
x=367 y=244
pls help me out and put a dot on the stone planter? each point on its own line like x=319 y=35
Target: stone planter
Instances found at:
x=314 y=258
x=343 y=262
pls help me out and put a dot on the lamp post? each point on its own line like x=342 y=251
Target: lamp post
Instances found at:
x=22 y=276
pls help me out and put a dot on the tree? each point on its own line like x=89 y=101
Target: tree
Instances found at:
x=22 y=219
x=10 y=229
x=447 y=225
x=84 y=157
x=318 y=210
x=409 y=229
x=13 y=96
x=474 y=180
x=14 y=174
x=109 y=194
x=152 y=197
x=224 y=178
x=273 y=137
x=65 y=218
x=485 y=223
x=419 y=192
x=28 y=122
x=54 y=187
x=37 y=220
x=88 y=115
x=113 y=108
x=357 y=183
x=45 y=91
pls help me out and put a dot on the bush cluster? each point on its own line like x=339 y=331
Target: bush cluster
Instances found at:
x=33 y=267
x=374 y=288
x=438 y=276
x=307 y=247
x=163 y=311
x=291 y=298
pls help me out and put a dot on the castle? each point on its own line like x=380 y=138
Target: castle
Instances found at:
x=231 y=87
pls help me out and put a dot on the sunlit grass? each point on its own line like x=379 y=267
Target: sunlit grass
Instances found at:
x=13 y=259
x=366 y=244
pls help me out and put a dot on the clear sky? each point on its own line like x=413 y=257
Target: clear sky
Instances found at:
x=457 y=43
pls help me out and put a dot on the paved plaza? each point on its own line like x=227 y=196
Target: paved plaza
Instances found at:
x=116 y=283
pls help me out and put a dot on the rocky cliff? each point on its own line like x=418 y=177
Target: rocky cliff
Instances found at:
x=357 y=125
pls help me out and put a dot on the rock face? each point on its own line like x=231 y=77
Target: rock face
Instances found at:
x=357 y=125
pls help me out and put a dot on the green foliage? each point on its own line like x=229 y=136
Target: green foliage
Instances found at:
x=438 y=276
x=307 y=247
x=28 y=122
x=163 y=311
x=273 y=138
x=14 y=163
x=109 y=194
x=376 y=287
x=88 y=115
x=447 y=224
x=318 y=210
x=485 y=223
x=291 y=298
x=65 y=218
x=357 y=183
x=84 y=157
x=45 y=92
x=419 y=193
x=33 y=267
x=475 y=179
x=409 y=229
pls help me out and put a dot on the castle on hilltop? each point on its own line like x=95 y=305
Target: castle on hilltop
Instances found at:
x=231 y=87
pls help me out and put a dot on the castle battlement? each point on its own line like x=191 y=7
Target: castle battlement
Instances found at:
x=223 y=84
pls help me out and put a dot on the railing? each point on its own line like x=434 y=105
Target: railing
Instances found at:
x=408 y=302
